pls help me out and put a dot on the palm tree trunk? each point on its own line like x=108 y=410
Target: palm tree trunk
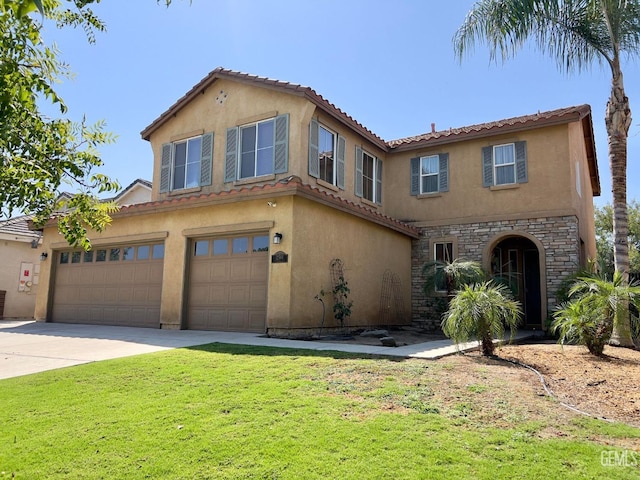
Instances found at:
x=618 y=121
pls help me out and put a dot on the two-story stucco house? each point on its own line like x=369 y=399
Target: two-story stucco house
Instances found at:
x=259 y=185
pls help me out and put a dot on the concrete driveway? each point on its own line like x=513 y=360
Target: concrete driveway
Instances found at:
x=28 y=347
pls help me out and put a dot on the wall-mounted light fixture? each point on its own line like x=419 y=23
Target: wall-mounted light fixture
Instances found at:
x=277 y=238
x=43 y=256
x=34 y=243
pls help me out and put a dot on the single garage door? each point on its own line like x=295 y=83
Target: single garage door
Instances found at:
x=119 y=285
x=228 y=283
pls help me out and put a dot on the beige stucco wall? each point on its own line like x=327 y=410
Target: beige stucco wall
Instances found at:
x=246 y=104
x=242 y=105
x=18 y=304
x=367 y=250
x=545 y=193
x=582 y=192
x=313 y=234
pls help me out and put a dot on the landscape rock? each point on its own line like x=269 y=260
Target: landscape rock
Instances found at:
x=375 y=333
x=388 y=342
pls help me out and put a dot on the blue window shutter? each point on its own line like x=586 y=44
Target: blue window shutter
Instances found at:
x=342 y=147
x=206 y=159
x=415 y=176
x=521 y=162
x=358 y=180
x=231 y=155
x=378 y=181
x=281 y=144
x=314 y=162
x=165 y=167
x=487 y=166
x=444 y=172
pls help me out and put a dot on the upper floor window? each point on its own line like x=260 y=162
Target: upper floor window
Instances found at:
x=186 y=163
x=368 y=176
x=326 y=154
x=257 y=149
x=430 y=174
x=504 y=164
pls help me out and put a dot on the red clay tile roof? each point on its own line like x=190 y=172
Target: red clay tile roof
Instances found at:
x=559 y=116
x=264 y=82
x=289 y=186
x=18 y=226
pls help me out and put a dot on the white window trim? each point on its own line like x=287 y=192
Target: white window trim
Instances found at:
x=334 y=180
x=437 y=175
x=255 y=157
x=512 y=165
x=174 y=144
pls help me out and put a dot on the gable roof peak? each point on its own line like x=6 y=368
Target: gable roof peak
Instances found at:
x=265 y=82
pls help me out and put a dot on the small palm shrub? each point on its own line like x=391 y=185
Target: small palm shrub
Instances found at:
x=450 y=276
x=595 y=306
x=481 y=311
x=577 y=322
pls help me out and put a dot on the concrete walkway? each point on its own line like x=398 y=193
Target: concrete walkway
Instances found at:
x=28 y=347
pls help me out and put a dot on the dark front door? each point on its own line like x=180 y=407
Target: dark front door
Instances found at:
x=515 y=263
x=532 y=294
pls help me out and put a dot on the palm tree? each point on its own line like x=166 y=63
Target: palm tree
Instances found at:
x=575 y=33
x=481 y=311
x=450 y=276
x=596 y=306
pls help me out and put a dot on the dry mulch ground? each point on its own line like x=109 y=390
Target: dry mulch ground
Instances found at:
x=606 y=387
x=603 y=387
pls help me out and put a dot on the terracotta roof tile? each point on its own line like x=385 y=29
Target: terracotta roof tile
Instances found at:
x=287 y=186
x=562 y=115
x=18 y=226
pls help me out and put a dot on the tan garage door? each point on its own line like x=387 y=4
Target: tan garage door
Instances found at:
x=228 y=283
x=118 y=285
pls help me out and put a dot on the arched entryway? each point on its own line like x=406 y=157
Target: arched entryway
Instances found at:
x=518 y=261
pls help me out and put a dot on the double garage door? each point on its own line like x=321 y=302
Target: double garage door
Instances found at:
x=228 y=283
x=118 y=285
x=122 y=285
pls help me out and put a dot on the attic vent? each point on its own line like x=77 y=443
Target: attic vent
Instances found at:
x=221 y=97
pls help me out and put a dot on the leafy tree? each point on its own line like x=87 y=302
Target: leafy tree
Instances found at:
x=576 y=33
x=604 y=239
x=39 y=154
x=596 y=305
x=481 y=311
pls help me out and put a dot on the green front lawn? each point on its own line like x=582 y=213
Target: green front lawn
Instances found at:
x=236 y=412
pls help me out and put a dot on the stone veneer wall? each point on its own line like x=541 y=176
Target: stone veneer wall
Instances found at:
x=559 y=236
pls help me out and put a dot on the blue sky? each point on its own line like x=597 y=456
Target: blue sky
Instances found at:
x=390 y=65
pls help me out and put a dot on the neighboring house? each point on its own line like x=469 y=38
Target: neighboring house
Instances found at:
x=20 y=250
x=259 y=185
x=138 y=191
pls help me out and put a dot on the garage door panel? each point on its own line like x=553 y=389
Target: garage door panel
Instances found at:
x=228 y=291
x=258 y=271
x=238 y=319
x=240 y=270
x=118 y=292
x=256 y=319
x=219 y=270
x=127 y=273
x=257 y=295
x=238 y=294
